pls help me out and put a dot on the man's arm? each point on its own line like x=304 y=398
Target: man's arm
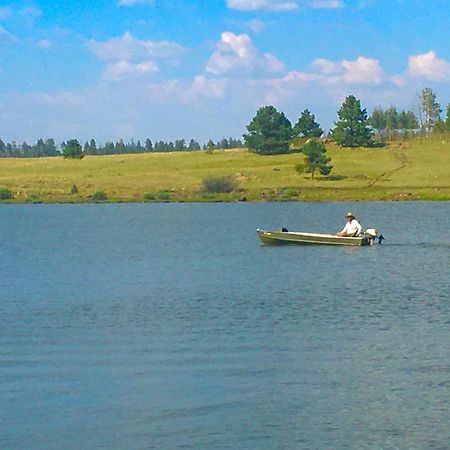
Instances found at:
x=343 y=232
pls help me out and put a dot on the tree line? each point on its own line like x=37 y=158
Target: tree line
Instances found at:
x=48 y=147
x=25 y=150
x=180 y=145
x=271 y=132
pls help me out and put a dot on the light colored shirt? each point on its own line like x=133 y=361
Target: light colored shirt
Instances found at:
x=352 y=228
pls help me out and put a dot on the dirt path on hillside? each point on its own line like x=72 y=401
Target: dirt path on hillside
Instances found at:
x=401 y=158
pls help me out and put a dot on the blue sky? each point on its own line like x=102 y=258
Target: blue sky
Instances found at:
x=168 y=69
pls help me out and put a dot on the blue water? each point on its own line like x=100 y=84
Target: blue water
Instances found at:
x=169 y=326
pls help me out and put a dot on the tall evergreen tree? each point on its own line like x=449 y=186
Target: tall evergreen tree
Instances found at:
x=50 y=147
x=307 y=126
x=269 y=132
x=93 y=147
x=73 y=149
x=377 y=121
x=224 y=144
x=108 y=149
x=413 y=123
x=407 y=122
x=402 y=122
x=351 y=129
x=193 y=145
x=27 y=150
x=180 y=145
x=39 y=148
x=9 y=149
x=148 y=145
x=120 y=147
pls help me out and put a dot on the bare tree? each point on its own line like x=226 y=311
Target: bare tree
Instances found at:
x=430 y=109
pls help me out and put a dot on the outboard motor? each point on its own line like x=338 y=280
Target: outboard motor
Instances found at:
x=371 y=235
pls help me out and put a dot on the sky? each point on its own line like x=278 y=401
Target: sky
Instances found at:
x=172 y=69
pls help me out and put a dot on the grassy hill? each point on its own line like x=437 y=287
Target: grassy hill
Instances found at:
x=410 y=170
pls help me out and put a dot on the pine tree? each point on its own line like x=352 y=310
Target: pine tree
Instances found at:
x=391 y=115
x=315 y=158
x=306 y=126
x=2 y=148
x=148 y=145
x=93 y=147
x=50 y=147
x=120 y=147
x=193 y=145
x=73 y=149
x=351 y=129
x=269 y=132
x=377 y=121
x=180 y=145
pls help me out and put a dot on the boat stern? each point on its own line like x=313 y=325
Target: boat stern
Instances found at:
x=370 y=235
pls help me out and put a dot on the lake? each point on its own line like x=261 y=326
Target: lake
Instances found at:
x=169 y=326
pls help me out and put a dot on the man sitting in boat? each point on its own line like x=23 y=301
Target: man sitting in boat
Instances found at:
x=352 y=228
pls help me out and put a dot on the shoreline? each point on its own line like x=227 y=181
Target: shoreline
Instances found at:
x=402 y=171
x=219 y=200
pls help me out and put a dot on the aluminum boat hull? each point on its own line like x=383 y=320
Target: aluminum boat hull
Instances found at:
x=297 y=237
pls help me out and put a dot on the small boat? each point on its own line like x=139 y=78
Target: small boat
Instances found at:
x=298 y=237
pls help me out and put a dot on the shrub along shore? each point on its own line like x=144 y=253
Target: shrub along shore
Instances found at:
x=417 y=169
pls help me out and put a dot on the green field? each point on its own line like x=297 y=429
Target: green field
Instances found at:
x=410 y=170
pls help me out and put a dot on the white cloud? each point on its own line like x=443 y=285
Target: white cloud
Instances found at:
x=6 y=35
x=212 y=88
x=428 y=66
x=425 y=66
x=236 y=54
x=398 y=80
x=282 y=5
x=135 y=2
x=118 y=70
x=128 y=48
x=333 y=79
x=185 y=92
x=360 y=71
x=255 y=5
